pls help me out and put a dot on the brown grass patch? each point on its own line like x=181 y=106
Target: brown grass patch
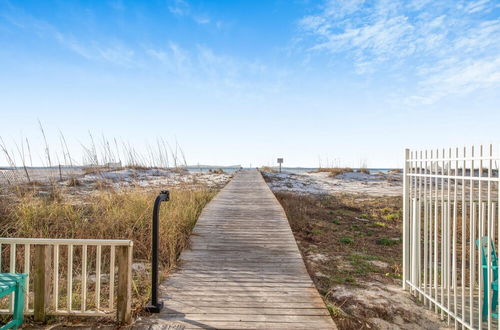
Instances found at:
x=334 y=171
x=108 y=214
x=353 y=235
x=363 y=170
x=216 y=171
x=268 y=169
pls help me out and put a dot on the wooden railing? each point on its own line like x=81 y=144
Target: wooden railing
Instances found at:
x=71 y=276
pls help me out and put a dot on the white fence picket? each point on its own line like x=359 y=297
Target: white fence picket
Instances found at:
x=450 y=207
x=101 y=248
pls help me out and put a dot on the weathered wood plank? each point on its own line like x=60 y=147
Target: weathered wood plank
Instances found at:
x=173 y=309
x=246 y=298
x=239 y=283
x=124 y=291
x=224 y=303
x=304 y=319
x=190 y=324
x=41 y=281
x=244 y=269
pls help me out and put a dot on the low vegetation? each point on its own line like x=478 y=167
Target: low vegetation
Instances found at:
x=334 y=171
x=268 y=169
x=347 y=241
x=216 y=171
x=98 y=154
x=107 y=214
x=363 y=170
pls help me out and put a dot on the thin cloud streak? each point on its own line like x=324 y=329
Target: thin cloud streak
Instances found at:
x=113 y=52
x=225 y=76
x=450 y=47
x=198 y=67
x=182 y=8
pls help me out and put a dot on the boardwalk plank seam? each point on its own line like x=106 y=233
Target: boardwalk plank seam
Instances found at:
x=244 y=270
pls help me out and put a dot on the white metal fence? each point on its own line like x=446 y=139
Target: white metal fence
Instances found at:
x=451 y=233
x=71 y=276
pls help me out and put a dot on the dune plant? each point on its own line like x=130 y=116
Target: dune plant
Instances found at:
x=98 y=154
x=104 y=214
x=334 y=171
x=107 y=214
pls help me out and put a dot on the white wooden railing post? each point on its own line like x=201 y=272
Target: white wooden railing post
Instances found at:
x=45 y=274
x=406 y=219
x=41 y=288
x=124 y=289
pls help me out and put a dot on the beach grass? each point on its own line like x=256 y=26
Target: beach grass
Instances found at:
x=334 y=171
x=268 y=169
x=348 y=242
x=107 y=214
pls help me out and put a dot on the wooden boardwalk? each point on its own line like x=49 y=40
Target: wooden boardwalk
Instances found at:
x=243 y=270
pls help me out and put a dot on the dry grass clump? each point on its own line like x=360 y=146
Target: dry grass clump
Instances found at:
x=334 y=171
x=216 y=171
x=92 y=170
x=268 y=169
x=100 y=154
x=358 y=240
x=180 y=170
x=138 y=167
x=364 y=170
x=74 y=182
x=107 y=214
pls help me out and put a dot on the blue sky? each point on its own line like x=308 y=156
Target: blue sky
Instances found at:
x=244 y=82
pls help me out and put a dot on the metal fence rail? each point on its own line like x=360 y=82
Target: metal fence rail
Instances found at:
x=71 y=276
x=450 y=206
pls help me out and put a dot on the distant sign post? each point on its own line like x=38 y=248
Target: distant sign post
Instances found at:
x=280 y=161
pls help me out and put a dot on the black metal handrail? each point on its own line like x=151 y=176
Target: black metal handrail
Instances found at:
x=155 y=306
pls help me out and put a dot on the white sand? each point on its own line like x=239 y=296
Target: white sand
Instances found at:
x=118 y=178
x=378 y=184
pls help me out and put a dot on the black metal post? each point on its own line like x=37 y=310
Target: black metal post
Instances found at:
x=155 y=306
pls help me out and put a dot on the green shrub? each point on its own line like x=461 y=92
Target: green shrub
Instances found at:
x=388 y=241
x=316 y=231
x=393 y=216
x=346 y=240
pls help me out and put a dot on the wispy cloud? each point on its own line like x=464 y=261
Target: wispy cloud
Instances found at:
x=451 y=47
x=193 y=66
x=183 y=9
x=457 y=77
x=117 y=5
x=110 y=51
x=224 y=76
x=174 y=58
x=113 y=52
x=179 y=7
